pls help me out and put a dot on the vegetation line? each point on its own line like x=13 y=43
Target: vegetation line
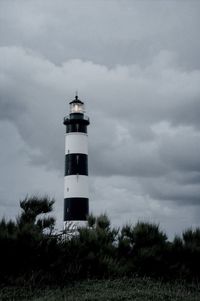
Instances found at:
x=32 y=254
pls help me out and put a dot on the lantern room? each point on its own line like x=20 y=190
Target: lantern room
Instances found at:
x=77 y=106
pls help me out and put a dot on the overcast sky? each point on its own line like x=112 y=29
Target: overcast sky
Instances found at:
x=136 y=66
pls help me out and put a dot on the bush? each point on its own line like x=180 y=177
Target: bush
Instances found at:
x=31 y=250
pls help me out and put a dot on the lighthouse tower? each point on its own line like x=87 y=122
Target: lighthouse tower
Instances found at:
x=76 y=201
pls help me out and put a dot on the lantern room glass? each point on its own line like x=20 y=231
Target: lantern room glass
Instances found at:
x=77 y=107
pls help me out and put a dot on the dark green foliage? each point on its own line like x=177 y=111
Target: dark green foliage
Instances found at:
x=34 y=206
x=143 y=247
x=91 y=252
x=102 y=222
x=31 y=251
x=23 y=245
x=186 y=254
x=91 y=220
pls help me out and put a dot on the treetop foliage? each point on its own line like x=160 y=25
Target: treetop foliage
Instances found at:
x=30 y=249
x=32 y=207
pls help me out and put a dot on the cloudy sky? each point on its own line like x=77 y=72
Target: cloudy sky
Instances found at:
x=136 y=66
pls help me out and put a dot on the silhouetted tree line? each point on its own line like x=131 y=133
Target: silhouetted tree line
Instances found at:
x=30 y=250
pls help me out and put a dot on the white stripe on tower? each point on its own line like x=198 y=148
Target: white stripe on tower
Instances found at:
x=76 y=143
x=76 y=192
x=76 y=186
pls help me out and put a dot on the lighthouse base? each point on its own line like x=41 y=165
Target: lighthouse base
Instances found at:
x=76 y=209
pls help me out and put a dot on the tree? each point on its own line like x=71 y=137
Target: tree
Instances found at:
x=143 y=248
x=32 y=208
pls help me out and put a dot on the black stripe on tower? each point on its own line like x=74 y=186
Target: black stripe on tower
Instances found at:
x=76 y=164
x=76 y=127
x=76 y=209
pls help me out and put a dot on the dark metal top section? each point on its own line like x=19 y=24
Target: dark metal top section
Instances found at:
x=76 y=118
x=76 y=100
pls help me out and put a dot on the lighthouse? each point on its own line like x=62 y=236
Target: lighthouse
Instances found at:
x=76 y=192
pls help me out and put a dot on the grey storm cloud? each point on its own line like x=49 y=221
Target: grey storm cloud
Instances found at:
x=106 y=32
x=136 y=66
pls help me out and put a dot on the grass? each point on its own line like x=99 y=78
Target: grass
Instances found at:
x=101 y=290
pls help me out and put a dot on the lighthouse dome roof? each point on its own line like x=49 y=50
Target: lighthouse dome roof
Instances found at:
x=76 y=101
